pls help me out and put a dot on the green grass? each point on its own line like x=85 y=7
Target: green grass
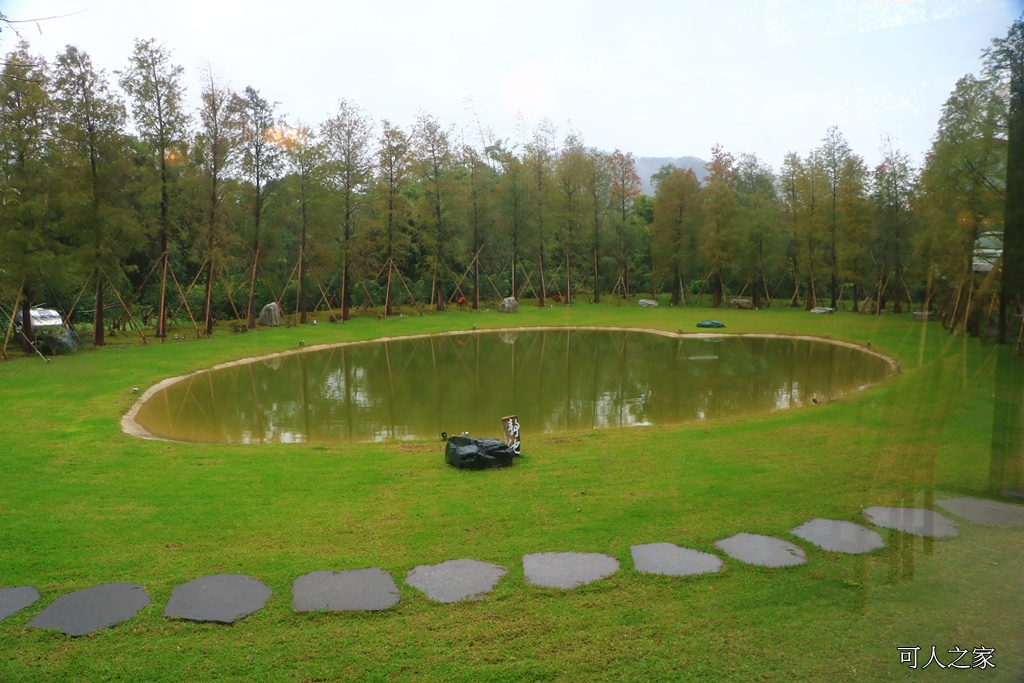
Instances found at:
x=81 y=504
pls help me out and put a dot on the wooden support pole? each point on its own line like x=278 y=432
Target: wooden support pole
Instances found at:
x=10 y=323
x=187 y=308
x=124 y=308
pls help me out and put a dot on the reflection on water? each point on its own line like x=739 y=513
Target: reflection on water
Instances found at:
x=554 y=380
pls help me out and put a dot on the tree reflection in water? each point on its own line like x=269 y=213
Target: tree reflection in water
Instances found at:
x=554 y=380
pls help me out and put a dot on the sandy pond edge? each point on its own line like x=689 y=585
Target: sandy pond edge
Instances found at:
x=132 y=428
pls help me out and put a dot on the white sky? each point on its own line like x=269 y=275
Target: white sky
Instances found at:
x=654 y=77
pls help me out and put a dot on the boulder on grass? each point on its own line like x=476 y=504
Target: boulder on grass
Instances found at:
x=508 y=305
x=711 y=323
x=467 y=453
x=647 y=303
x=746 y=304
x=270 y=316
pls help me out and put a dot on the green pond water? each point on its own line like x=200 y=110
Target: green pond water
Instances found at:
x=553 y=380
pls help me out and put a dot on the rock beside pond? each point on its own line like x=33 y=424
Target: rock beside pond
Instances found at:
x=467 y=453
x=270 y=316
x=647 y=303
x=711 y=323
x=508 y=305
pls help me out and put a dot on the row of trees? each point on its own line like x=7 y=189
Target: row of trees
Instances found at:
x=219 y=210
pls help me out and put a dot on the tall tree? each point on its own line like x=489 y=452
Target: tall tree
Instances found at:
x=435 y=161
x=758 y=216
x=811 y=226
x=625 y=188
x=154 y=84
x=893 y=189
x=216 y=153
x=479 y=179
x=1005 y=61
x=539 y=160
x=348 y=139
x=718 y=238
x=261 y=162
x=97 y=171
x=597 y=184
x=833 y=155
x=391 y=231
x=305 y=156
x=677 y=217
x=570 y=178
x=28 y=239
x=853 y=215
x=512 y=189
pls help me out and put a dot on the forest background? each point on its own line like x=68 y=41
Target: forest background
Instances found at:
x=111 y=185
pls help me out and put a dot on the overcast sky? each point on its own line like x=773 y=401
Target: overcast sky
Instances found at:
x=653 y=77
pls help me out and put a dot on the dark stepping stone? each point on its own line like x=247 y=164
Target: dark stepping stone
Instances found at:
x=356 y=589
x=223 y=598
x=912 y=520
x=839 y=536
x=670 y=559
x=986 y=512
x=455 y=580
x=567 y=570
x=766 y=551
x=91 y=609
x=15 y=599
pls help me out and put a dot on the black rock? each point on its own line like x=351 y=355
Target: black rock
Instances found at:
x=467 y=453
x=90 y=609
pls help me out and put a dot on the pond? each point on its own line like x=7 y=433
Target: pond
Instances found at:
x=556 y=379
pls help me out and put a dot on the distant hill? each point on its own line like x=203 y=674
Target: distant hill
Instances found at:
x=648 y=166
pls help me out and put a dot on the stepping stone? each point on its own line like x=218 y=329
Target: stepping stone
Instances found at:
x=90 y=609
x=983 y=511
x=670 y=559
x=567 y=570
x=455 y=580
x=15 y=599
x=839 y=536
x=766 y=551
x=223 y=598
x=912 y=520
x=356 y=589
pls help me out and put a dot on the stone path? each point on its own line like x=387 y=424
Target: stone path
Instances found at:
x=226 y=598
x=567 y=570
x=354 y=590
x=912 y=520
x=839 y=536
x=16 y=599
x=223 y=598
x=91 y=609
x=766 y=551
x=456 y=580
x=987 y=512
x=671 y=560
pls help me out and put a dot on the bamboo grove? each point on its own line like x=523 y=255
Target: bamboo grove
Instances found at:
x=121 y=205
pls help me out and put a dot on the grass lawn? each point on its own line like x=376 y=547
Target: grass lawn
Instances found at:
x=83 y=504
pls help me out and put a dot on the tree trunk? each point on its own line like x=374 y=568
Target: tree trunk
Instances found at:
x=28 y=334
x=208 y=328
x=97 y=317
x=1012 y=285
x=543 y=283
x=250 y=314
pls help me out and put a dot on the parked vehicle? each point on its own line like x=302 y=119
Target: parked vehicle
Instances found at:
x=41 y=317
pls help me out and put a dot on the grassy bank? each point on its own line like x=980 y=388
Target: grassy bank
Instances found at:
x=84 y=504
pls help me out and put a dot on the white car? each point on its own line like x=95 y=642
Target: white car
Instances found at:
x=41 y=317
